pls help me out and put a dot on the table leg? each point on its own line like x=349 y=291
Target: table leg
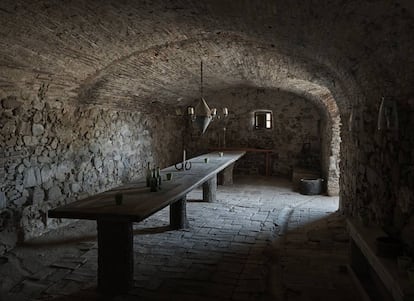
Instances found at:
x=115 y=256
x=227 y=175
x=267 y=164
x=210 y=189
x=178 y=214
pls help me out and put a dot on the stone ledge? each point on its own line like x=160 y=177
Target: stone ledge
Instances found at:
x=386 y=269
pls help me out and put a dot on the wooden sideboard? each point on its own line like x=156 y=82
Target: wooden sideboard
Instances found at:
x=266 y=152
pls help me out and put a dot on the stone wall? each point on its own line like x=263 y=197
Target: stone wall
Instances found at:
x=141 y=51
x=380 y=187
x=331 y=141
x=53 y=153
x=295 y=121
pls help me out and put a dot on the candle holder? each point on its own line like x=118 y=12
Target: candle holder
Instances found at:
x=185 y=165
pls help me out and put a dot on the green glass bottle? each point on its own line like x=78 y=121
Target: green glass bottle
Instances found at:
x=153 y=184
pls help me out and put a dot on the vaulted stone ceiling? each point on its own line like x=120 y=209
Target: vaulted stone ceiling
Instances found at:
x=129 y=53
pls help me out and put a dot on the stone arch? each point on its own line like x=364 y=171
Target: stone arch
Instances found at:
x=266 y=67
x=170 y=71
x=327 y=105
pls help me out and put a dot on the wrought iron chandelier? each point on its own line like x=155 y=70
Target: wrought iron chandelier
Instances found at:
x=202 y=115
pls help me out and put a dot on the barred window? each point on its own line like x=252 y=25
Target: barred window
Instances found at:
x=263 y=120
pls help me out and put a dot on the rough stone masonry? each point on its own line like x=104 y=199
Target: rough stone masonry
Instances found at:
x=54 y=153
x=137 y=55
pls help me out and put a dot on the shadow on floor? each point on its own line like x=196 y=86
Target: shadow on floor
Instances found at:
x=311 y=264
x=231 y=252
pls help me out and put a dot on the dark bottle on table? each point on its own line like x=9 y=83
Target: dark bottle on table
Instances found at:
x=148 y=175
x=159 y=177
x=153 y=181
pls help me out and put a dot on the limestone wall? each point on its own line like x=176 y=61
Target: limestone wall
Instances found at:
x=52 y=154
x=296 y=121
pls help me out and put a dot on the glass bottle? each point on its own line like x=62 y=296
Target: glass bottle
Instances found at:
x=159 y=177
x=154 y=184
x=148 y=175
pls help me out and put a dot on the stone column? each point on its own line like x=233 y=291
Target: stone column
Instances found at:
x=115 y=256
x=210 y=189
x=178 y=214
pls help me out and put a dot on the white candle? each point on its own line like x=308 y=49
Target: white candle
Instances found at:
x=225 y=111
x=190 y=111
x=183 y=155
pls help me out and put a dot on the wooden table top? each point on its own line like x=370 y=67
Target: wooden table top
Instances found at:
x=138 y=202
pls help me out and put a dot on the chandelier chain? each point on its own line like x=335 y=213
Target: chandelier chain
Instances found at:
x=201 y=79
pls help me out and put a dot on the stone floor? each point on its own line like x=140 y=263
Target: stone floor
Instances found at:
x=259 y=241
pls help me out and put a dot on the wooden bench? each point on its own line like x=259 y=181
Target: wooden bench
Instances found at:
x=114 y=222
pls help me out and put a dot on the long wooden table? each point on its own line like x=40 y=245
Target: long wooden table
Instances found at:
x=114 y=222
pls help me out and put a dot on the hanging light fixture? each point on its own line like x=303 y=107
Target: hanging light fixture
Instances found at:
x=388 y=115
x=202 y=115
